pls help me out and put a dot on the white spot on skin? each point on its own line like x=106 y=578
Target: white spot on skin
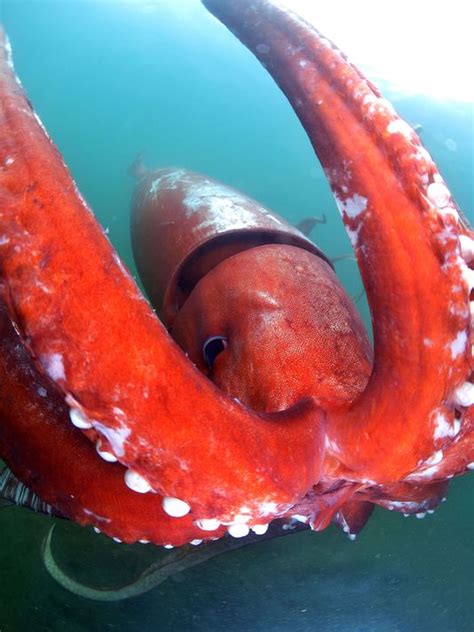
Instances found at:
x=244 y=510
x=115 y=436
x=353 y=236
x=195 y=542
x=353 y=206
x=42 y=392
x=8 y=161
x=167 y=181
x=223 y=207
x=464 y=394
x=438 y=194
x=268 y=508
x=4 y=240
x=53 y=365
x=136 y=482
x=442 y=427
x=421 y=514
x=458 y=345
x=470 y=466
x=260 y=529
x=175 y=507
x=168 y=546
x=398 y=126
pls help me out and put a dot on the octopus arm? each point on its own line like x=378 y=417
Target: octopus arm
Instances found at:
x=413 y=248
x=125 y=382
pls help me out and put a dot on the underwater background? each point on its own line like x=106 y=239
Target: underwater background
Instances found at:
x=111 y=80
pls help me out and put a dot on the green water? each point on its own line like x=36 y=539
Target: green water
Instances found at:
x=113 y=79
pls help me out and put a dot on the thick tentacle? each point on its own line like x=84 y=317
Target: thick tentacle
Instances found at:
x=125 y=381
x=411 y=243
x=52 y=458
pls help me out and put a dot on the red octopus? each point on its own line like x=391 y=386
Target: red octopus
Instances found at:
x=258 y=398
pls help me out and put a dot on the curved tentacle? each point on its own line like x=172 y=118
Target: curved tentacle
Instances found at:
x=124 y=380
x=71 y=477
x=174 y=562
x=412 y=245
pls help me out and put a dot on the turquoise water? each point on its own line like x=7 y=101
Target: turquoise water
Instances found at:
x=110 y=80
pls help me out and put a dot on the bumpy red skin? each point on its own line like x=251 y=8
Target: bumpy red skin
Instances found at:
x=85 y=322
x=405 y=228
x=71 y=477
x=94 y=334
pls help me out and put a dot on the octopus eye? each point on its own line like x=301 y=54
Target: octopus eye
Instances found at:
x=212 y=347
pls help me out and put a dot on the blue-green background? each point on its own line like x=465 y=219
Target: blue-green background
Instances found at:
x=110 y=80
